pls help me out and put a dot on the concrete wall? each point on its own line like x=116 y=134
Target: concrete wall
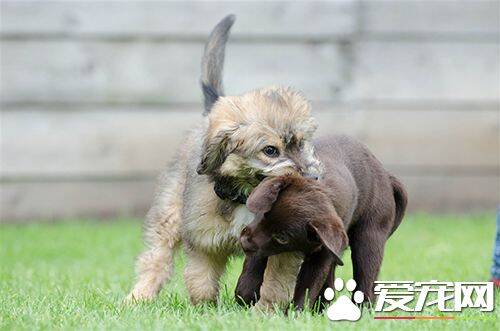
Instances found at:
x=96 y=96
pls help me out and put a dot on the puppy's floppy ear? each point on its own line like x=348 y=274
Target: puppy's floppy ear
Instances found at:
x=331 y=233
x=263 y=196
x=215 y=151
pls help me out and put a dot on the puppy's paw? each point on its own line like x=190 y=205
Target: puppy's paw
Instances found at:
x=129 y=299
x=138 y=295
x=247 y=298
x=265 y=307
x=247 y=291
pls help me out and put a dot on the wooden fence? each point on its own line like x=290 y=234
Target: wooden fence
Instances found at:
x=96 y=96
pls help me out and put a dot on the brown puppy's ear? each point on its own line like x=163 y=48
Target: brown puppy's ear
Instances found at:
x=330 y=233
x=214 y=153
x=263 y=196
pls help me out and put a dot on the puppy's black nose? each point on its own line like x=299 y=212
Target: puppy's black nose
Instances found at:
x=246 y=241
x=311 y=176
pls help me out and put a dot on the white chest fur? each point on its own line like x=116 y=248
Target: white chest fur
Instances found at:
x=241 y=218
x=213 y=233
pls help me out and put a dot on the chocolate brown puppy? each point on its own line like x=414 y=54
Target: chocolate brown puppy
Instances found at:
x=293 y=214
x=356 y=203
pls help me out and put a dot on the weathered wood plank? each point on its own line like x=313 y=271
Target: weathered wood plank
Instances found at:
x=93 y=142
x=46 y=201
x=431 y=17
x=433 y=138
x=451 y=194
x=55 y=200
x=281 y=18
x=107 y=141
x=425 y=71
x=101 y=72
x=142 y=72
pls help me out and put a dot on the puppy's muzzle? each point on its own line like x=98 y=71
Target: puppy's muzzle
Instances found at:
x=310 y=174
x=308 y=169
x=246 y=241
x=312 y=170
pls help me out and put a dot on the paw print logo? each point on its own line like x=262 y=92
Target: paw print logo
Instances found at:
x=343 y=309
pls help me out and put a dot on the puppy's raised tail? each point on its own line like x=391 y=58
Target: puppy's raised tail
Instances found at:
x=212 y=63
x=401 y=199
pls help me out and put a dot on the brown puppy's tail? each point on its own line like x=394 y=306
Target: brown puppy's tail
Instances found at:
x=401 y=199
x=212 y=62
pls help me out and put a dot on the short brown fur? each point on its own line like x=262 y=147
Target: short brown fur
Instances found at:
x=356 y=195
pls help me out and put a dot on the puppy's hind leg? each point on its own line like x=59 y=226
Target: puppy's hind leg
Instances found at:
x=154 y=266
x=367 y=241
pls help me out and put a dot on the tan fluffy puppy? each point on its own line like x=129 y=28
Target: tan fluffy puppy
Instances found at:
x=200 y=199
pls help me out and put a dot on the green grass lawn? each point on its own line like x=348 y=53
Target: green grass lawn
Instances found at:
x=73 y=275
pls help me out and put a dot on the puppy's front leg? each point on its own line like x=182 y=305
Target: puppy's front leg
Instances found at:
x=202 y=274
x=251 y=278
x=279 y=280
x=329 y=283
x=312 y=276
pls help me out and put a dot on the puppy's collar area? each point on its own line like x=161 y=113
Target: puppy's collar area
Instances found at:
x=226 y=188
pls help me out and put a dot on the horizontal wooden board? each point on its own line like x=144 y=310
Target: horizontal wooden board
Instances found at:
x=178 y=17
x=142 y=72
x=432 y=139
x=47 y=201
x=92 y=142
x=436 y=17
x=56 y=200
x=450 y=194
x=101 y=72
x=137 y=141
x=417 y=71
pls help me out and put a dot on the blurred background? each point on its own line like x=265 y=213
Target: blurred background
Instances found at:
x=96 y=96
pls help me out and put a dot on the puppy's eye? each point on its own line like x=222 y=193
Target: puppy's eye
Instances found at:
x=280 y=238
x=271 y=151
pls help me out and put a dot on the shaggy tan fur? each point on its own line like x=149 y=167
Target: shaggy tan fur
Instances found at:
x=187 y=209
x=227 y=147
